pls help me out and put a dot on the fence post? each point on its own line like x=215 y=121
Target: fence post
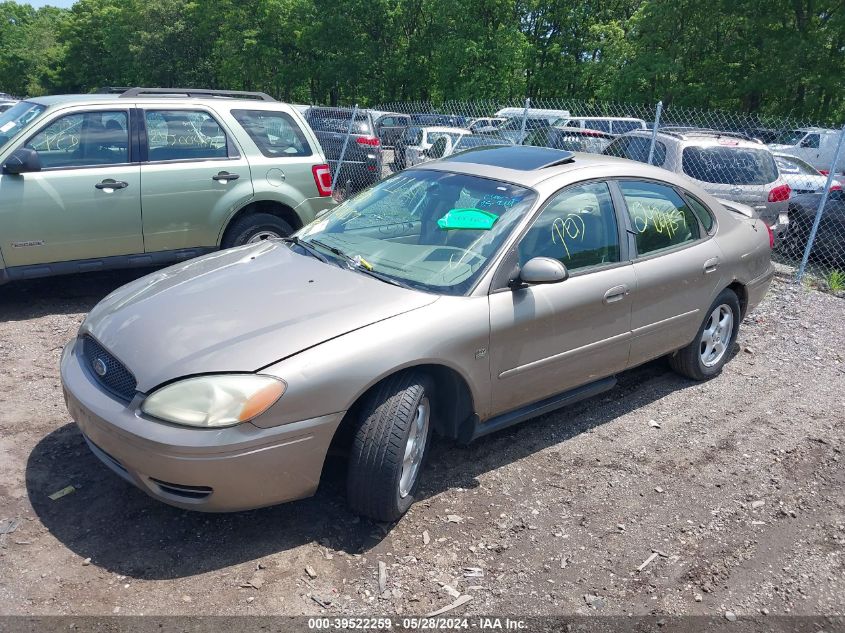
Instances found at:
x=817 y=220
x=524 y=117
x=345 y=143
x=654 y=131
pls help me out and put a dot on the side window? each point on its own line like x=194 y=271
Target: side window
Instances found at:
x=811 y=141
x=274 y=133
x=387 y=121
x=85 y=139
x=598 y=124
x=659 y=216
x=577 y=227
x=701 y=212
x=184 y=135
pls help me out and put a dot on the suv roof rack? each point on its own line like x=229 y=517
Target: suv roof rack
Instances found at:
x=684 y=132
x=189 y=92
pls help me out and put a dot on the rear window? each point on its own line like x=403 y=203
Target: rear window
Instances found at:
x=337 y=120
x=274 y=133
x=601 y=125
x=795 y=166
x=636 y=148
x=620 y=127
x=730 y=165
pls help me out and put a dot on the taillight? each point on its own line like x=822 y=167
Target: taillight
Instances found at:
x=824 y=172
x=368 y=140
x=323 y=179
x=780 y=193
x=771 y=235
x=836 y=187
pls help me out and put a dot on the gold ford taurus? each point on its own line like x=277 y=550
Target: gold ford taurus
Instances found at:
x=459 y=297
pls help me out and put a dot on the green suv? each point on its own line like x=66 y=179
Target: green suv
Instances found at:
x=150 y=176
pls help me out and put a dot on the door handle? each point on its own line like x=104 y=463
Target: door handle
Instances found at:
x=225 y=176
x=711 y=265
x=617 y=293
x=108 y=183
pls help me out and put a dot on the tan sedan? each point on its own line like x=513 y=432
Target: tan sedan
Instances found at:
x=459 y=297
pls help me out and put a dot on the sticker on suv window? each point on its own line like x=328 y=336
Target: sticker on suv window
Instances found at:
x=467 y=219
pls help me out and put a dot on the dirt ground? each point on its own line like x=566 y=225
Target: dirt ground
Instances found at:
x=661 y=496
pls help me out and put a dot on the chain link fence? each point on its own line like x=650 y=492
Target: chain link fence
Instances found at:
x=788 y=170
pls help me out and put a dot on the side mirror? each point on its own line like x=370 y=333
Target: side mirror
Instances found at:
x=22 y=160
x=542 y=270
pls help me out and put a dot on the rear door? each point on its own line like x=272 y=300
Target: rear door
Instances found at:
x=193 y=176
x=677 y=266
x=85 y=202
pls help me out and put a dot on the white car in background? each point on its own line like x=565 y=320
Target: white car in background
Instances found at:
x=801 y=176
x=417 y=151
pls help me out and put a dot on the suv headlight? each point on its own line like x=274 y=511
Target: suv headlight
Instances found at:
x=214 y=401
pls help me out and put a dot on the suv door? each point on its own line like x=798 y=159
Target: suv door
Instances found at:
x=546 y=339
x=85 y=202
x=193 y=176
x=676 y=266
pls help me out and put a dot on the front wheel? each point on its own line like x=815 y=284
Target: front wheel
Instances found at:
x=255 y=227
x=390 y=446
x=709 y=351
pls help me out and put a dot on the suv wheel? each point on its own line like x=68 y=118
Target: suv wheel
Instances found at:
x=255 y=227
x=390 y=446
x=709 y=351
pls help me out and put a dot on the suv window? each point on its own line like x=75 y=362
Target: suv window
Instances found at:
x=577 y=227
x=659 y=216
x=84 y=139
x=274 y=133
x=636 y=148
x=730 y=165
x=598 y=124
x=620 y=127
x=811 y=141
x=184 y=135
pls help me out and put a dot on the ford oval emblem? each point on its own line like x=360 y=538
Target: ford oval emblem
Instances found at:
x=100 y=367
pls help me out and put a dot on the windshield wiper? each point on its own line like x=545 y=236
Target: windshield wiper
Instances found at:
x=306 y=247
x=359 y=263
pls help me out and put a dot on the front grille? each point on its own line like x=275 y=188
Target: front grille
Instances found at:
x=116 y=379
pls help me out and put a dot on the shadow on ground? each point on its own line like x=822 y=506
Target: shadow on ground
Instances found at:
x=124 y=531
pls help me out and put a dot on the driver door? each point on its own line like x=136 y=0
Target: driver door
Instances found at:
x=547 y=339
x=67 y=211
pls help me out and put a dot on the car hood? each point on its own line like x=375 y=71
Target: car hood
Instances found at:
x=238 y=310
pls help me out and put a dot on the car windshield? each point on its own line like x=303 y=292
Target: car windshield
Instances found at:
x=790 y=137
x=795 y=166
x=730 y=165
x=16 y=118
x=430 y=230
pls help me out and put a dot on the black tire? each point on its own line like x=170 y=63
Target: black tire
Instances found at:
x=378 y=448
x=688 y=360
x=247 y=227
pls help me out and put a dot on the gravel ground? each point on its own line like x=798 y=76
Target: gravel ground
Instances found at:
x=659 y=497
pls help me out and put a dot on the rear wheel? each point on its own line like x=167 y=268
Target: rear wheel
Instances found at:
x=390 y=446
x=255 y=227
x=709 y=351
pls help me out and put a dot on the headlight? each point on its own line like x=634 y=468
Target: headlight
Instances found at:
x=214 y=401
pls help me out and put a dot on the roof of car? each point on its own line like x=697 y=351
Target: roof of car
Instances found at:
x=527 y=165
x=442 y=128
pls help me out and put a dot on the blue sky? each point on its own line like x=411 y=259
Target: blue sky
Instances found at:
x=41 y=3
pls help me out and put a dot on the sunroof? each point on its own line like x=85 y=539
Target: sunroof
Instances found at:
x=522 y=157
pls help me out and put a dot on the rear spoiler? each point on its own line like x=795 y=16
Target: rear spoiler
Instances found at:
x=738 y=207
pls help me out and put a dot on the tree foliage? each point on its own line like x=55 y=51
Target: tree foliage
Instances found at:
x=777 y=57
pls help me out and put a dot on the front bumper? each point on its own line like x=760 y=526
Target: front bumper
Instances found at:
x=211 y=470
